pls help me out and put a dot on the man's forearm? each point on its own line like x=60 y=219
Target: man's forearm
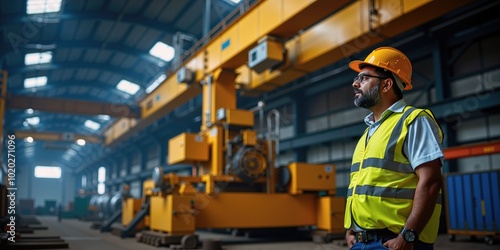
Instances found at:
x=424 y=203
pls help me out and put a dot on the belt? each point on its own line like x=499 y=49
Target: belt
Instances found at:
x=373 y=235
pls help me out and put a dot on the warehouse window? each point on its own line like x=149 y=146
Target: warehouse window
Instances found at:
x=84 y=181
x=104 y=117
x=35 y=82
x=128 y=87
x=43 y=6
x=92 y=125
x=163 y=51
x=48 y=172
x=101 y=178
x=37 y=58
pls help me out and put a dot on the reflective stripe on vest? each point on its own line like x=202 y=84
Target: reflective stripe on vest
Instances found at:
x=398 y=193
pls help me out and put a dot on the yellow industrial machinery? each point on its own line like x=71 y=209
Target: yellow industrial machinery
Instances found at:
x=233 y=186
x=234 y=174
x=134 y=213
x=235 y=168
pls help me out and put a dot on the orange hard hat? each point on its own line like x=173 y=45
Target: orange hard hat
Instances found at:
x=390 y=59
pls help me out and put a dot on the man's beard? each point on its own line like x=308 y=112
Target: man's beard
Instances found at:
x=368 y=100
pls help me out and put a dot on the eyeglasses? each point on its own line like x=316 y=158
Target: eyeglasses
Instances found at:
x=363 y=77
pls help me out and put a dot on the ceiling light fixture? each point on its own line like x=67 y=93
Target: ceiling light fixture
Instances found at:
x=43 y=6
x=80 y=142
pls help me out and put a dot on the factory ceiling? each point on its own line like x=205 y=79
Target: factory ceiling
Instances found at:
x=68 y=57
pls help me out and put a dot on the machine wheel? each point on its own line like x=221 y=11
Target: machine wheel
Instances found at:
x=138 y=237
x=189 y=241
x=210 y=244
x=489 y=240
x=157 y=243
x=451 y=237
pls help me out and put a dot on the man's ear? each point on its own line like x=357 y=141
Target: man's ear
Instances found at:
x=387 y=85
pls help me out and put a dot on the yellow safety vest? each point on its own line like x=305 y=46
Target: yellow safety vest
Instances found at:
x=382 y=181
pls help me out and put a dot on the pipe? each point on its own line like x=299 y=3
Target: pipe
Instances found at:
x=209 y=101
x=270 y=138
x=260 y=108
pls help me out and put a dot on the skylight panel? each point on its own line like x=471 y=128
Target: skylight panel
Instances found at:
x=37 y=58
x=47 y=172
x=43 y=6
x=35 y=82
x=156 y=83
x=33 y=120
x=235 y=1
x=163 y=51
x=92 y=125
x=104 y=117
x=128 y=87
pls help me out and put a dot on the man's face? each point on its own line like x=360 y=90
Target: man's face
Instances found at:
x=366 y=89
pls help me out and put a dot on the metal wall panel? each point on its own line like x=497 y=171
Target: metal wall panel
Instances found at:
x=474 y=164
x=136 y=162
x=317 y=124
x=494 y=125
x=287 y=132
x=284 y=158
x=318 y=154
x=472 y=202
x=469 y=130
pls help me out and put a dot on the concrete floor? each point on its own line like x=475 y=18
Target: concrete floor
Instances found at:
x=80 y=237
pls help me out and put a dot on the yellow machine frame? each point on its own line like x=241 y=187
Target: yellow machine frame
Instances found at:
x=130 y=207
x=180 y=209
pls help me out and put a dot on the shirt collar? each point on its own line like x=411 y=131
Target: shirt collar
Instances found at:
x=397 y=107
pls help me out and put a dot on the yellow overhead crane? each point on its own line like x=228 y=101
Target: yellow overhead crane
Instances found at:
x=315 y=33
x=234 y=177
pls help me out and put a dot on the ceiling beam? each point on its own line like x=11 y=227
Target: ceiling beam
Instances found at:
x=12 y=19
x=83 y=44
x=60 y=85
x=129 y=74
x=52 y=136
x=70 y=106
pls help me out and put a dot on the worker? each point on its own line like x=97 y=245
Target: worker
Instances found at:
x=59 y=212
x=394 y=197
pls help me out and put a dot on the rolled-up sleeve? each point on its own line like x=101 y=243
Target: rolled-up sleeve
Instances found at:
x=423 y=142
